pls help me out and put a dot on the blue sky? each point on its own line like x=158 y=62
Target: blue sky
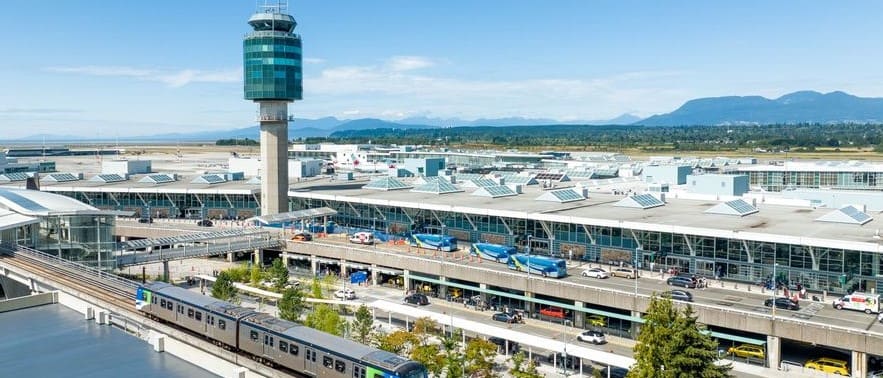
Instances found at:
x=105 y=69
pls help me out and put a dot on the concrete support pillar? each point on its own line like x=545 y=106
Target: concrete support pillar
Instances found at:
x=343 y=269
x=284 y=260
x=101 y=316
x=442 y=288
x=165 y=271
x=258 y=257
x=773 y=351
x=123 y=239
x=406 y=279
x=636 y=327
x=859 y=364
x=90 y=313
x=579 y=317
x=374 y=275
x=482 y=294
x=274 y=157
x=239 y=372
x=314 y=265
x=229 y=256
x=529 y=305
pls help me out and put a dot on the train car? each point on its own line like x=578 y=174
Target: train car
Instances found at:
x=319 y=354
x=434 y=241
x=202 y=314
x=270 y=339
x=496 y=252
x=541 y=265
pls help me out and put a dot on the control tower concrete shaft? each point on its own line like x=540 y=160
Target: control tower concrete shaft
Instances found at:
x=273 y=78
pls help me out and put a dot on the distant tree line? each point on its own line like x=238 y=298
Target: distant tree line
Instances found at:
x=237 y=142
x=800 y=137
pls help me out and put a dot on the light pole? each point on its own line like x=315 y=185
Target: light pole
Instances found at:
x=564 y=338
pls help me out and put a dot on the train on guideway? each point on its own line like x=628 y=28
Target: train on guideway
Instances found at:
x=271 y=340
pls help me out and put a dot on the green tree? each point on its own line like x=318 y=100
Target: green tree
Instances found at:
x=223 y=288
x=424 y=328
x=278 y=274
x=395 y=342
x=316 y=289
x=453 y=361
x=523 y=368
x=255 y=275
x=671 y=345
x=325 y=319
x=479 y=358
x=363 y=325
x=292 y=304
x=430 y=356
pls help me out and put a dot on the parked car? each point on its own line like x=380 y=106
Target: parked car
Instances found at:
x=501 y=345
x=503 y=317
x=361 y=238
x=345 y=293
x=302 y=236
x=747 y=350
x=553 y=312
x=416 y=299
x=145 y=220
x=614 y=372
x=783 y=303
x=596 y=320
x=204 y=223
x=594 y=337
x=678 y=295
x=596 y=273
x=687 y=282
x=828 y=365
x=624 y=272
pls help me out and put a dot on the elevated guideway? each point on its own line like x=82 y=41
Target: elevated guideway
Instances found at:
x=189 y=238
x=246 y=242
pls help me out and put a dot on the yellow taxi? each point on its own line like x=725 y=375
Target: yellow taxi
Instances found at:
x=596 y=320
x=747 y=350
x=828 y=365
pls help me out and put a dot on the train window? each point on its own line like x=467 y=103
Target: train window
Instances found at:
x=208 y=319
x=271 y=341
x=162 y=303
x=169 y=305
x=190 y=313
x=198 y=316
x=293 y=350
x=180 y=309
x=327 y=362
x=254 y=336
x=283 y=346
x=266 y=339
x=340 y=366
x=153 y=300
x=309 y=354
x=222 y=324
x=356 y=371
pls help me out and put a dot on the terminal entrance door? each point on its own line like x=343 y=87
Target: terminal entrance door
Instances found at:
x=705 y=268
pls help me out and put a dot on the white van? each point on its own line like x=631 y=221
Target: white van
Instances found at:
x=869 y=303
x=362 y=238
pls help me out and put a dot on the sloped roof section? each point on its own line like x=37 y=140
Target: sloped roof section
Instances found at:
x=847 y=214
x=438 y=187
x=209 y=179
x=495 y=191
x=158 y=178
x=561 y=196
x=735 y=207
x=640 y=201
x=107 y=178
x=13 y=176
x=61 y=177
x=386 y=183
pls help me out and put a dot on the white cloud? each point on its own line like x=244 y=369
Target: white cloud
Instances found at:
x=408 y=63
x=393 y=90
x=171 y=78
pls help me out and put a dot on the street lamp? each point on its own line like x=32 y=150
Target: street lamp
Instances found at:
x=564 y=338
x=775 y=290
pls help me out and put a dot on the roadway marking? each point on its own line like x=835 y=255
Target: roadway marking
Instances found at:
x=809 y=311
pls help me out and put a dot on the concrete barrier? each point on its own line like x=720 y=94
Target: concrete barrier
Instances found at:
x=32 y=300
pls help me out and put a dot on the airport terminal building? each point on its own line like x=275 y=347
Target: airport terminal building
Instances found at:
x=830 y=249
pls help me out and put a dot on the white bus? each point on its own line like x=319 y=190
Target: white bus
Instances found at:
x=869 y=303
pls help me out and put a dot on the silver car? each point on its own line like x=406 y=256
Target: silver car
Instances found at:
x=596 y=273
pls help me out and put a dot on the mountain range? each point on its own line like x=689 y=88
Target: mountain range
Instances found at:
x=798 y=107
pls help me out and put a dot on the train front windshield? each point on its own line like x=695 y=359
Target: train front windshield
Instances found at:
x=414 y=372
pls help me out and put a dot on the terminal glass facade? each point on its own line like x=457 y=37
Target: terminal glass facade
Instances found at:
x=273 y=67
x=776 y=181
x=87 y=239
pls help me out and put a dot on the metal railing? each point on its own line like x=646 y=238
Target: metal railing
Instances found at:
x=193 y=251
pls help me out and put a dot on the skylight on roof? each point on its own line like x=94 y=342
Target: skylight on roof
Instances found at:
x=14 y=176
x=494 y=191
x=386 y=183
x=640 y=201
x=158 y=178
x=61 y=177
x=108 y=178
x=735 y=207
x=561 y=196
x=846 y=214
x=438 y=187
x=209 y=179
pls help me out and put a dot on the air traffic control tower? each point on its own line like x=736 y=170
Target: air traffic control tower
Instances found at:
x=273 y=78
